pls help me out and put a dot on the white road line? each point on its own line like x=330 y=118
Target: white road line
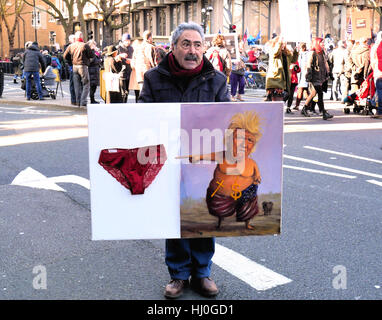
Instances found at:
x=318 y=163
x=252 y=273
x=321 y=172
x=378 y=183
x=343 y=154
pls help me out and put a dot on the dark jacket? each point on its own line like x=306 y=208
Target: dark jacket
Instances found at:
x=317 y=69
x=160 y=86
x=32 y=60
x=78 y=53
x=94 y=67
x=126 y=68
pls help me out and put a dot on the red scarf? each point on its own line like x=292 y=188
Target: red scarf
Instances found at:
x=177 y=71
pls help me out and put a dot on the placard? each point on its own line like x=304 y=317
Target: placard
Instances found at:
x=294 y=20
x=169 y=195
x=231 y=43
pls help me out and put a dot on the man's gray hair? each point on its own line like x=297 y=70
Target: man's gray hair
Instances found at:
x=183 y=27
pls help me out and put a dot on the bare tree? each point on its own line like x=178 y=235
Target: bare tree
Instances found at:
x=65 y=17
x=107 y=9
x=7 y=14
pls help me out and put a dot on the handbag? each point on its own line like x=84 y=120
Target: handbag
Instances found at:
x=111 y=81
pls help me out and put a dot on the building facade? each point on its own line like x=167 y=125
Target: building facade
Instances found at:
x=162 y=17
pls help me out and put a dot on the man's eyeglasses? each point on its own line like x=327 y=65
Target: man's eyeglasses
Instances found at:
x=185 y=44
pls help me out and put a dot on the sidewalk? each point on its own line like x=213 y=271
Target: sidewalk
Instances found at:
x=13 y=94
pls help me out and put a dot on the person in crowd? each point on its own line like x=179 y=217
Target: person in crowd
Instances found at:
x=302 y=86
x=80 y=54
x=186 y=75
x=33 y=61
x=277 y=81
x=317 y=74
x=125 y=51
x=338 y=57
x=94 y=70
x=133 y=83
x=376 y=64
x=47 y=57
x=70 y=70
x=348 y=68
x=17 y=66
x=113 y=64
x=237 y=79
x=144 y=57
x=219 y=56
x=294 y=71
x=252 y=58
x=359 y=62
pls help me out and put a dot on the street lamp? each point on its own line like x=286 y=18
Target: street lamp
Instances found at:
x=206 y=18
x=35 y=20
x=100 y=19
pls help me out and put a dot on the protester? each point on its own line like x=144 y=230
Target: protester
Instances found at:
x=33 y=61
x=278 y=76
x=294 y=70
x=376 y=64
x=219 y=56
x=133 y=83
x=338 y=57
x=113 y=64
x=302 y=86
x=94 y=70
x=237 y=79
x=79 y=53
x=125 y=51
x=186 y=75
x=17 y=66
x=359 y=62
x=317 y=74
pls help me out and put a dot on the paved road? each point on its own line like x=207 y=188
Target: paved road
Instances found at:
x=329 y=248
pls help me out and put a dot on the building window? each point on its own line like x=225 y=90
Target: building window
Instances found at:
x=147 y=20
x=136 y=29
x=186 y=9
x=161 y=22
x=174 y=16
x=36 y=18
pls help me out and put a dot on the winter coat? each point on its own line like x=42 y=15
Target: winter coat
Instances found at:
x=359 y=62
x=126 y=68
x=338 y=60
x=303 y=61
x=94 y=67
x=277 y=78
x=208 y=86
x=115 y=67
x=143 y=60
x=78 y=53
x=317 y=68
x=32 y=60
x=376 y=59
x=222 y=62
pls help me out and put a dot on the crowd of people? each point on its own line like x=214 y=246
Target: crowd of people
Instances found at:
x=292 y=74
x=347 y=65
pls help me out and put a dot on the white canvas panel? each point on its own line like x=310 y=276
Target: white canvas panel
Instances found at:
x=116 y=213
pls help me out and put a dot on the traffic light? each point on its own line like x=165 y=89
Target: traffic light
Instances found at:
x=90 y=35
x=232 y=28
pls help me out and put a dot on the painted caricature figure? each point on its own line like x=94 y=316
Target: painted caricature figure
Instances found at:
x=233 y=188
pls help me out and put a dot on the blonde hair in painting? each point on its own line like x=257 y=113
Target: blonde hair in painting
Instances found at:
x=249 y=121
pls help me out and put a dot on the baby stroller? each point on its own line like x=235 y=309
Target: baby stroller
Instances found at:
x=47 y=86
x=363 y=99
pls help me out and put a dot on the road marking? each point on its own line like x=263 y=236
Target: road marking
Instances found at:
x=321 y=172
x=376 y=125
x=34 y=179
x=252 y=273
x=378 y=183
x=318 y=163
x=343 y=154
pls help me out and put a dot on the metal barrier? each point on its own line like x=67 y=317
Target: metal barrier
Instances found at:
x=255 y=80
x=7 y=67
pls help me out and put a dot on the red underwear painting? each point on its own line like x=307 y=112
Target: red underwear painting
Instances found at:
x=134 y=168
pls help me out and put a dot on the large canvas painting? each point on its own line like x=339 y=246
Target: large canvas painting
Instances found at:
x=231 y=171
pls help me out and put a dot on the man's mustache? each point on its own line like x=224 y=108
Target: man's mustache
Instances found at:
x=191 y=57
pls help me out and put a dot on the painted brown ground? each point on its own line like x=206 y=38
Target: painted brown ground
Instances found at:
x=197 y=222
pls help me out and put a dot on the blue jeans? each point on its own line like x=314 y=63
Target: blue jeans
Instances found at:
x=189 y=257
x=28 y=85
x=378 y=85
